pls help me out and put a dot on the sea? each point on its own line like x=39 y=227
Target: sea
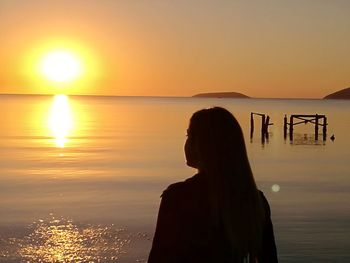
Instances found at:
x=81 y=176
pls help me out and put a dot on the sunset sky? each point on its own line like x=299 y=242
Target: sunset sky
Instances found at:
x=271 y=48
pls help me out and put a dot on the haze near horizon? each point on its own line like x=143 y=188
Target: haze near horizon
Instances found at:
x=292 y=49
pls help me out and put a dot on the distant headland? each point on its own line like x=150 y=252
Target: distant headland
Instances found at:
x=221 y=95
x=343 y=94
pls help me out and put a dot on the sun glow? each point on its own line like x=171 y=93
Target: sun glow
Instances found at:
x=61 y=66
x=60 y=120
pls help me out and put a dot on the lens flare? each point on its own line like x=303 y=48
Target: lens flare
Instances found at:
x=275 y=188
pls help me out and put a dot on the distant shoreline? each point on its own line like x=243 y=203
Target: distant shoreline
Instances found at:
x=343 y=94
x=236 y=95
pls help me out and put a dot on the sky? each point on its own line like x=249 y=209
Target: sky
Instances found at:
x=266 y=48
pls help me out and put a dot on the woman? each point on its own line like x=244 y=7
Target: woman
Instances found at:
x=218 y=215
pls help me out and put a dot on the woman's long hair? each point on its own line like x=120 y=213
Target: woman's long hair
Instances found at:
x=234 y=197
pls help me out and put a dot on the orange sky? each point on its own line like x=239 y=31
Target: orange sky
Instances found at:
x=179 y=48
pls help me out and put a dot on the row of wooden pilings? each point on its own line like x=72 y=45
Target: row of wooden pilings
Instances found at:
x=317 y=119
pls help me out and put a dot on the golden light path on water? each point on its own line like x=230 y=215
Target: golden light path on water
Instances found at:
x=61 y=240
x=61 y=119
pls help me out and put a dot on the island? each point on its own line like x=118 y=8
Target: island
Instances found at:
x=221 y=95
x=343 y=94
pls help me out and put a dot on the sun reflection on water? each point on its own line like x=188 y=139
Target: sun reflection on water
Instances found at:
x=60 y=240
x=61 y=119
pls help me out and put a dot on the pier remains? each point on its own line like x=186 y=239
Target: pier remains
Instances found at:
x=320 y=121
x=265 y=123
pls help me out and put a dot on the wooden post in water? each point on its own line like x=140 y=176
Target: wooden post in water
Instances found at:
x=267 y=123
x=291 y=128
x=316 y=127
x=263 y=117
x=285 y=127
x=251 y=125
x=324 y=128
x=263 y=123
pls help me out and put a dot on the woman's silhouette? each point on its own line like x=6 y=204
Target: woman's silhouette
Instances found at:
x=218 y=215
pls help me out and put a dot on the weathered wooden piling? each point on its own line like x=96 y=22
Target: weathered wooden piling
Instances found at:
x=316 y=127
x=251 y=125
x=285 y=127
x=266 y=127
x=291 y=125
x=263 y=117
x=324 y=130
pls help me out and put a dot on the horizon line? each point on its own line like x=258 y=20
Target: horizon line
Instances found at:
x=154 y=96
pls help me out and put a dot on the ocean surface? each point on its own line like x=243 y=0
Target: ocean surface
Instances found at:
x=81 y=177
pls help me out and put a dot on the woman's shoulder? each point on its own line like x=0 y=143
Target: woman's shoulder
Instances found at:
x=182 y=188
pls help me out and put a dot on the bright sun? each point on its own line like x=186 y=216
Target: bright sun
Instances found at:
x=60 y=66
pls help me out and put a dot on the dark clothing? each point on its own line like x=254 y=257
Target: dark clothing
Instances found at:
x=185 y=232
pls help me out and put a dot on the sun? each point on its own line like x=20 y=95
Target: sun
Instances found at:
x=61 y=66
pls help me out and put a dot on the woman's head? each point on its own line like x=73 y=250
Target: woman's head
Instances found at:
x=215 y=140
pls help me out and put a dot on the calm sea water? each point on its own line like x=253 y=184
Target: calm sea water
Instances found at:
x=80 y=177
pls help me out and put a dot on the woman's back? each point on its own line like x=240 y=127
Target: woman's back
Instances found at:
x=185 y=231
